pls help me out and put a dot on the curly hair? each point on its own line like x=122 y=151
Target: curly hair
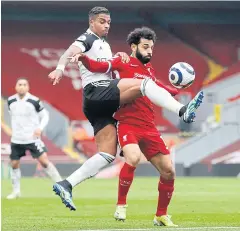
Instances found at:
x=135 y=36
x=98 y=10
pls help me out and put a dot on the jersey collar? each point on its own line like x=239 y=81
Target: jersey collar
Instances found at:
x=89 y=31
x=24 y=98
x=136 y=61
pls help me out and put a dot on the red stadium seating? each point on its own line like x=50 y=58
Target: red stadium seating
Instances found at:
x=219 y=42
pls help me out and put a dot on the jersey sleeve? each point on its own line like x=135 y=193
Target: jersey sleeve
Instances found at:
x=10 y=100
x=38 y=105
x=85 y=42
x=102 y=67
x=116 y=63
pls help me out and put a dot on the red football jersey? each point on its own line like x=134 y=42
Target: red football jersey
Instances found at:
x=140 y=112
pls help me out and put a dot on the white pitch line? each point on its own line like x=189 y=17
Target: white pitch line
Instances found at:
x=161 y=228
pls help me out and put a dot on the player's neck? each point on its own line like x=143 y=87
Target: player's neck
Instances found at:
x=91 y=29
x=21 y=96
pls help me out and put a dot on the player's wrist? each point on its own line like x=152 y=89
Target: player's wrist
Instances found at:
x=60 y=67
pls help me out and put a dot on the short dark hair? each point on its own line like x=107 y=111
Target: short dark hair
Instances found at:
x=98 y=10
x=135 y=36
x=22 y=78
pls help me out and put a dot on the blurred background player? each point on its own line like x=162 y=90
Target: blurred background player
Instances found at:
x=28 y=119
x=137 y=132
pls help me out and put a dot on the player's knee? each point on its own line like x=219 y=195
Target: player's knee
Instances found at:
x=133 y=158
x=109 y=146
x=15 y=164
x=106 y=140
x=43 y=160
x=44 y=165
x=169 y=173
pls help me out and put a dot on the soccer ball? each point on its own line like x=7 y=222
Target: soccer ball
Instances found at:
x=181 y=75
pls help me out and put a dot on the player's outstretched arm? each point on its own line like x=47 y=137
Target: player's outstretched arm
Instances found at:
x=56 y=75
x=96 y=66
x=63 y=61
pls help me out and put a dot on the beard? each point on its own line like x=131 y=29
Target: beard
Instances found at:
x=143 y=59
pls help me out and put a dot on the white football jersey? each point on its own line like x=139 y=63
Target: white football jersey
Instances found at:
x=27 y=114
x=95 y=48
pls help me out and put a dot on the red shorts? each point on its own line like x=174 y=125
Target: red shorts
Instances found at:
x=148 y=139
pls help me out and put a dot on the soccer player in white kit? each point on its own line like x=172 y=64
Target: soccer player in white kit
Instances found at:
x=104 y=95
x=28 y=119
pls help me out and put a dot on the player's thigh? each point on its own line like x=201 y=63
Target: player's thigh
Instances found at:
x=163 y=163
x=129 y=90
x=128 y=142
x=17 y=151
x=37 y=148
x=151 y=143
x=101 y=99
x=106 y=135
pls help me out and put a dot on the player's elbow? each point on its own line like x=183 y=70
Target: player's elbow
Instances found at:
x=72 y=50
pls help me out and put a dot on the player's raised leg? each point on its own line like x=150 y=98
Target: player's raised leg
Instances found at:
x=130 y=89
x=164 y=165
x=15 y=177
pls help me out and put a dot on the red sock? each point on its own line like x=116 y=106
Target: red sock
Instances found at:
x=165 y=188
x=125 y=180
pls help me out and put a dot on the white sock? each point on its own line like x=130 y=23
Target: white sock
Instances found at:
x=90 y=168
x=16 y=176
x=159 y=96
x=52 y=172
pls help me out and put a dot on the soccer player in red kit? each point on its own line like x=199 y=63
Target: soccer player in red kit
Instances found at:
x=137 y=132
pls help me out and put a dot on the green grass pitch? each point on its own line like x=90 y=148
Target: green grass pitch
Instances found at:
x=197 y=204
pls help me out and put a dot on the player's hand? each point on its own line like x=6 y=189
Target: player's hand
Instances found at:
x=76 y=58
x=37 y=133
x=55 y=76
x=125 y=57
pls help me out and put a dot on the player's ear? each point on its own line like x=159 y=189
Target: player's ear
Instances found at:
x=91 y=20
x=134 y=47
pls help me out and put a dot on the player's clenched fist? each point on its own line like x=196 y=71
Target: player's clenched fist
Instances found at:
x=55 y=76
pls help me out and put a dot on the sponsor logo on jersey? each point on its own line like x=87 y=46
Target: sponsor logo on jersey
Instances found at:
x=140 y=76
